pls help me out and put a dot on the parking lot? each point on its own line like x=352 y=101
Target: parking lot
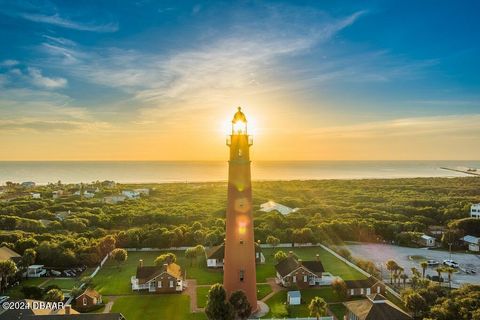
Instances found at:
x=411 y=257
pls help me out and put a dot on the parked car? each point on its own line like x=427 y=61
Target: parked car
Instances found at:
x=4 y=298
x=433 y=262
x=55 y=272
x=450 y=263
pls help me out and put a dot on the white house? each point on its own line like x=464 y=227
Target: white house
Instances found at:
x=472 y=242
x=427 y=240
x=272 y=205
x=131 y=194
x=294 y=298
x=57 y=194
x=36 y=271
x=88 y=194
x=35 y=195
x=114 y=199
x=475 y=211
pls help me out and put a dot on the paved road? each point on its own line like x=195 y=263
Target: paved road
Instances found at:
x=379 y=253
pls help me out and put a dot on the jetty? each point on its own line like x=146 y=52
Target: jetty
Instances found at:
x=470 y=172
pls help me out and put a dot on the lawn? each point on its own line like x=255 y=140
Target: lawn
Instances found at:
x=329 y=261
x=64 y=284
x=202 y=293
x=338 y=310
x=115 y=280
x=280 y=298
x=164 y=306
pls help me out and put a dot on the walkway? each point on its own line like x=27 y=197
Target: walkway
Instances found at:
x=275 y=288
x=191 y=291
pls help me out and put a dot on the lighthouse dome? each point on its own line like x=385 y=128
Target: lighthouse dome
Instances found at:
x=239 y=116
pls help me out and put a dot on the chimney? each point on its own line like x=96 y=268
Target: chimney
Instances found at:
x=318 y=257
x=140 y=263
x=300 y=261
x=290 y=253
x=68 y=309
x=165 y=266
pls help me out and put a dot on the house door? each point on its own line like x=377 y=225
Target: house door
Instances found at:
x=151 y=286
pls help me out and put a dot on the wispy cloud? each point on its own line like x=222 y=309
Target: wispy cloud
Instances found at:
x=9 y=63
x=46 y=126
x=59 y=21
x=40 y=80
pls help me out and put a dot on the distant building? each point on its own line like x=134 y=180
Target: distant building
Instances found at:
x=215 y=256
x=90 y=298
x=36 y=271
x=89 y=193
x=426 y=241
x=62 y=215
x=294 y=298
x=159 y=279
x=130 y=194
x=271 y=205
x=364 y=287
x=114 y=199
x=472 y=242
x=28 y=184
x=475 y=211
x=57 y=194
x=36 y=195
x=291 y=271
x=143 y=191
x=375 y=307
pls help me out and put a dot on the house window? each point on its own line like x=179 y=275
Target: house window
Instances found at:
x=84 y=301
x=171 y=283
x=242 y=275
x=257 y=255
x=294 y=279
x=159 y=284
x=352 y=292
x=361 y=291
x=304 y=278
x=378 y=289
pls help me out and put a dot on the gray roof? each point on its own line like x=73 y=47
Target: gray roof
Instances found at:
x=289 y=264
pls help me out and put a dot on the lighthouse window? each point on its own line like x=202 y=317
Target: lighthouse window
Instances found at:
x=239 y=152
x=241 y=241
x=242 y=275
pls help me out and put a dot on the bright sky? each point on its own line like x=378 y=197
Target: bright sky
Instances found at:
x=160 y=80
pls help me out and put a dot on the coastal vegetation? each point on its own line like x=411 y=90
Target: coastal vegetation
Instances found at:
x=180 y=214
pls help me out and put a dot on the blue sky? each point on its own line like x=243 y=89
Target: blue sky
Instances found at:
x=343 y=75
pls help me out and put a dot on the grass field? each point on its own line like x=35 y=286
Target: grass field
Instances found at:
x=149 y=307
x=326 y=293
x=64 y=284
x=115 y=280
x=202 y=293
x=338 y=310
x=329 y=261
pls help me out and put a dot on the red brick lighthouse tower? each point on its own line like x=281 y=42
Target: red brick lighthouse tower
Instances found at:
x=239 y=265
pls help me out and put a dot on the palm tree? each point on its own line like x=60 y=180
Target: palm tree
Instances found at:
x=450 y=271
x=395 y=278
x=404 y=277
x=7 y=269
x=318 y=307
x=424 y=266
x=439 y=272
x=391 y=266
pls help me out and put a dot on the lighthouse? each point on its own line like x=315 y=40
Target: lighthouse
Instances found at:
x=239 y=265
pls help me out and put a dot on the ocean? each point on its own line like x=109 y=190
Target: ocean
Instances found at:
x=43 y=172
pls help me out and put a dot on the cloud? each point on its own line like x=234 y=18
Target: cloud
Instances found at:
x=453 y=125
x=57 y=20
x=46 y=126
x=9 y=63
x=39 y=80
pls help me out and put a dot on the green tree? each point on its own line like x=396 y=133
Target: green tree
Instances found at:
x=273 y=241
x=29 y=256
x=318 y=307
x=217 y=305
x=391 y=267
x=340 y=288
x=7 y=270
x=439 y=273
x=120 y=256
x=404 y=278
x=450 y=272
x=241 y=307
x=424 y=266
x=280 y=256
x=54 y=295
x=165 y=258
x=415 y=303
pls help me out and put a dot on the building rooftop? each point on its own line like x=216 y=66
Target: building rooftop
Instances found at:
x=376 y=307
x=7 y=253
x=290 y=264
